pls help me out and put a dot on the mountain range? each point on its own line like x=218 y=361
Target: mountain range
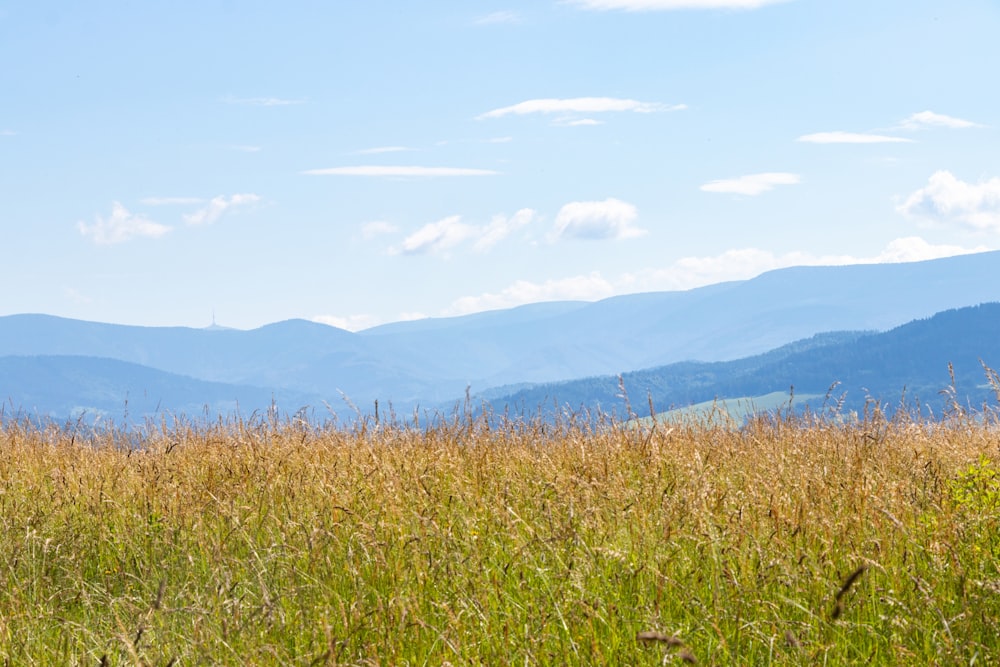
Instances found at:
x=927 y=366
x=60 y=367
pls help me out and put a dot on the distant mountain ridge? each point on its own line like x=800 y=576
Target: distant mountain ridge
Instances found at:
x=66 y=387
x=911 y=363
x=713 y=323
x=427 y=362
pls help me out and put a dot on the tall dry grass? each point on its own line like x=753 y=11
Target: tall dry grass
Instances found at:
x=781 y=541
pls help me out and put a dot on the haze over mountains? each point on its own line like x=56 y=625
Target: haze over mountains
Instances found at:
x=54 y=366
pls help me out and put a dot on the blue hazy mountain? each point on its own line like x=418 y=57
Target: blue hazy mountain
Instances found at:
x=428 y=361
x=913 y=364
x=62 y=387
x=295 y=354
x=714 y=323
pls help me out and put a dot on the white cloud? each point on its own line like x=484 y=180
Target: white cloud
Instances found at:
x=497 y=18
x=370 y=230
x=916 y=249
x=580 y=122
x=8 y=133
x=917 y=121
x=501 y=227
x=399 y=171
x=580 y=105
x=378 y=150
x=744 y=263
x=945 y=199
x=350 y=322
x=445 y=234
x=658 y=5
x=436 y=237
x=590 y=287
x=928 y=119
x=121 y=226
x=261 y=101
x=170 y=201
x=691 y=272
x=851 y=138
x=244 y=148
x=217 y=207
x=752 y=184
x=608 y=219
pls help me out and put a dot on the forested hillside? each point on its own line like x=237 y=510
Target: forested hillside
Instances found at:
x=909 y=363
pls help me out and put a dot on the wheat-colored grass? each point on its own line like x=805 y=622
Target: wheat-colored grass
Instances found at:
x=782 y=541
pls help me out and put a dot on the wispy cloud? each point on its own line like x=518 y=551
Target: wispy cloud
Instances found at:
x=378 y=150
x=585 y=105
x=577 y=122
x=918 y=121
x=399 y=171
x=499 y=18
x=928 y=119
x=916 y=249
x=443 y=235
x=594 y=220
x=436 y=237
x=852 y=138
x=691 y=272
x=501 y=227
x=590 y=287
x=947 y=200
x=261 y=101
x=170 y=201
x=121 y=226
x=217 y=207
x=662 y=5
x=349 y=322
x=8 y=133
x=375 y=228
x=752 y=184
x=745 y=263
x=244 y=148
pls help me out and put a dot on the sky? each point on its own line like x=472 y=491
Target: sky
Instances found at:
x=357 y=163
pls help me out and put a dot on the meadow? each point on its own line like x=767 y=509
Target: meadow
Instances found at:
x=782 y=540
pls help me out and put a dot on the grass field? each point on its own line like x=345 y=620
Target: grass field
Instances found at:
x=785 y=541
x=731 y=409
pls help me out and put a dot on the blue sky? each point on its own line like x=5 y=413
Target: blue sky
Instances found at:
x=364 y=162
